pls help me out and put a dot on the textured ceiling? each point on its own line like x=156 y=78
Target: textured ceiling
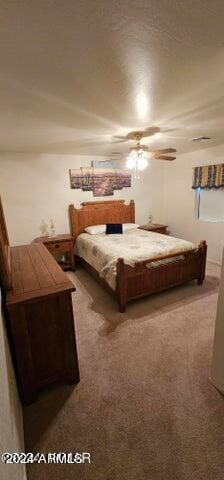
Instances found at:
x=76 y=73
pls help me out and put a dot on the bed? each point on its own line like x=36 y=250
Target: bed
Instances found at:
x=137 y=263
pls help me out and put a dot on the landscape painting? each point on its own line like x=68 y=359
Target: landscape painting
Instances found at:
x=101 y=178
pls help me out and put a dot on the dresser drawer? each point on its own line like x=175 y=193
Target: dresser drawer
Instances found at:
x=60 y=246
x=41 y=321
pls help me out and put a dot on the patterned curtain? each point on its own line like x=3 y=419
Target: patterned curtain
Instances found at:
x=209 y=176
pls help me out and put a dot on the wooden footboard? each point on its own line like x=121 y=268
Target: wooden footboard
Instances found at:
x=144 y=278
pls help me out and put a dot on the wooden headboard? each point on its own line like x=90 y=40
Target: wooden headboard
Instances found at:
x=97 y=213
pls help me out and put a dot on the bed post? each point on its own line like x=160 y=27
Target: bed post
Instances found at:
x=121 y=285
x=73 y=220
x=132 y=206
x=203 y=250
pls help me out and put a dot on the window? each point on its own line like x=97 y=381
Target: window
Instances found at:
x=210 y=203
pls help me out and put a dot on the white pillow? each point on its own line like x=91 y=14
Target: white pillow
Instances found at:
x=94 y=229
x=129 y=226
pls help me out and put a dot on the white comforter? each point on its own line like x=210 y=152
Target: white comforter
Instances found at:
x=102 y=251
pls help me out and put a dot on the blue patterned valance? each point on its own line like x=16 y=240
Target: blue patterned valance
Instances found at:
x=208 y=176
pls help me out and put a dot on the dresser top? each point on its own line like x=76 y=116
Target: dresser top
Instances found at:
x=35 y=274
x=65 y=237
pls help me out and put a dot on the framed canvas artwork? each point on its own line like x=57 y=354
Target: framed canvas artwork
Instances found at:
x=101 y=178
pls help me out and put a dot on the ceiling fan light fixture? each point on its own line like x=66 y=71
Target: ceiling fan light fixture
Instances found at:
x=137 y=160
x=142 y=159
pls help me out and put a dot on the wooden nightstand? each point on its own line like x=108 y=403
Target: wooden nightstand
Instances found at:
x=62 y=248
x=155 y=227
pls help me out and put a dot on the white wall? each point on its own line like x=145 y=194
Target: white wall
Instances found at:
x=36 y=187
x=179 y=201
x=11 y=428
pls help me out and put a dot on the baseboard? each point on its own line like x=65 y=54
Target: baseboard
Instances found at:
x=215 y=263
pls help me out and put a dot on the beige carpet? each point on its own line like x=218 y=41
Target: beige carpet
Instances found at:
x=144 y=408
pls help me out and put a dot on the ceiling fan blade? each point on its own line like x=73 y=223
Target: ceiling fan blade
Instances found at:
x=158 y=156
x=148 y=132
x=165 y=150
x=168 y=130
x=120 y=140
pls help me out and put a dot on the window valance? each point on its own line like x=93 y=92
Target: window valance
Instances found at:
x=208 y=176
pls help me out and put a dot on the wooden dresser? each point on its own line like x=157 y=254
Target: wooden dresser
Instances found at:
x=40 y=322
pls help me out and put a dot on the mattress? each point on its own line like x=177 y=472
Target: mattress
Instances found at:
x=101 y=251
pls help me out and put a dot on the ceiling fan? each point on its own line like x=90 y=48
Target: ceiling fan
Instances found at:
x=139 y=155
x=148 y=132
x=162 y=154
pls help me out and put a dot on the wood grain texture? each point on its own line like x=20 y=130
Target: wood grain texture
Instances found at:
x=41 y=321
x=38 y=306
x=44 y=343
x=143 y=279
x=97 y=213
x=60 y=246
x=64 y=237
x=35 y=273
x=140 y=280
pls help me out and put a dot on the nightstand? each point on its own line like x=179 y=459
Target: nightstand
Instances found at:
x=62 y=248
x=155 y=227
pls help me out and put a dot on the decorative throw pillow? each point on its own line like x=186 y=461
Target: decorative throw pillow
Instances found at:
x=95 y=229
x=113 y=228
x=129 y=226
